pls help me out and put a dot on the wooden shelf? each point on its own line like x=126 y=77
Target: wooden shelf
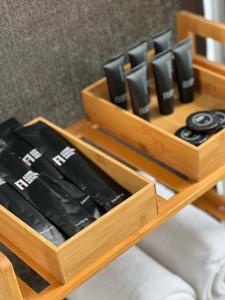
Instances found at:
x=200 y=193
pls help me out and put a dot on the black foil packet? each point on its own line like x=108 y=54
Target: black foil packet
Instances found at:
x=73 y=165
x=28 y=154
x=38 y=163
x=59 y=208
x=16 y=204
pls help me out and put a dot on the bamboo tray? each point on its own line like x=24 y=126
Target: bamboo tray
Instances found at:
x=157 y=138
x=201 y=193
x=86 y=247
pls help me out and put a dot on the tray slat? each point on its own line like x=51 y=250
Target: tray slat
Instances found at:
x=11 y=290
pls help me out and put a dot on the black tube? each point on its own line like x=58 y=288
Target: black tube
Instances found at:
x=138 y=53
x=115 y=76
x=163 y=73
x=184 y=70
x=138 y=87
x=162 y=40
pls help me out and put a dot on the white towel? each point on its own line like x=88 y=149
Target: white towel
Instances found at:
x=135 y=276
x=161 y=189
x=192 y=245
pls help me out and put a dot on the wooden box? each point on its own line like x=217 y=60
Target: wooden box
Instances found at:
x=157 y=137
x=12 y=287
x=96 y=240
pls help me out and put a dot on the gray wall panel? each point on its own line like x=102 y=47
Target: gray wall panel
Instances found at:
x=50 y=50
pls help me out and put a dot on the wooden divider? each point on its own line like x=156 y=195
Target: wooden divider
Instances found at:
x=9 y=289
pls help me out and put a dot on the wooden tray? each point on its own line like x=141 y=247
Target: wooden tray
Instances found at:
x=95 y=241
x=186 y=192
x=157 y=138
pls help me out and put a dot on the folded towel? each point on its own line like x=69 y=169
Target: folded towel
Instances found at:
x=192 y=245
x=161 y=189
x=135 y=276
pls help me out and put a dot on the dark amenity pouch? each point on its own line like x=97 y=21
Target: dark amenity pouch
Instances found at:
x=34 y=159
x=28 y=154
x=60 y=209
x=16 y=204
x=73 y=165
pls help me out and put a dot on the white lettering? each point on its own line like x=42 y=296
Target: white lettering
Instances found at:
x=188 y=83
x=21 y=184
x=2 y=181
x=35 y=153
x=144 y=109
x=59 y=160
x=169 y=94
x=30 y=158
x=67 y=152
x=81 y=222
x=120 y=99
x=26 y=180
x=64 y=155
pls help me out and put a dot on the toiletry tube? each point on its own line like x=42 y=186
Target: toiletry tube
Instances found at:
x=138 y=87
x=162 y=41
x=138 y=53
x=184 y=70
x=114 y=72
x=163 y=73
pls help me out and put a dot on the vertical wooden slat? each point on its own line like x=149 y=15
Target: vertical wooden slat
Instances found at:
x=9 y=289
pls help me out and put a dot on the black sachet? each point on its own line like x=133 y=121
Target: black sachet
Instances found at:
x=73 y=165
x=68 y=189
x=60 y=209
x=16 y=204
x=28 y=154
x=38 y=163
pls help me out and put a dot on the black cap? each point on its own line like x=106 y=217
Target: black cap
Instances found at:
x=192 y=137
x=221 y=115
x=203 y=121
